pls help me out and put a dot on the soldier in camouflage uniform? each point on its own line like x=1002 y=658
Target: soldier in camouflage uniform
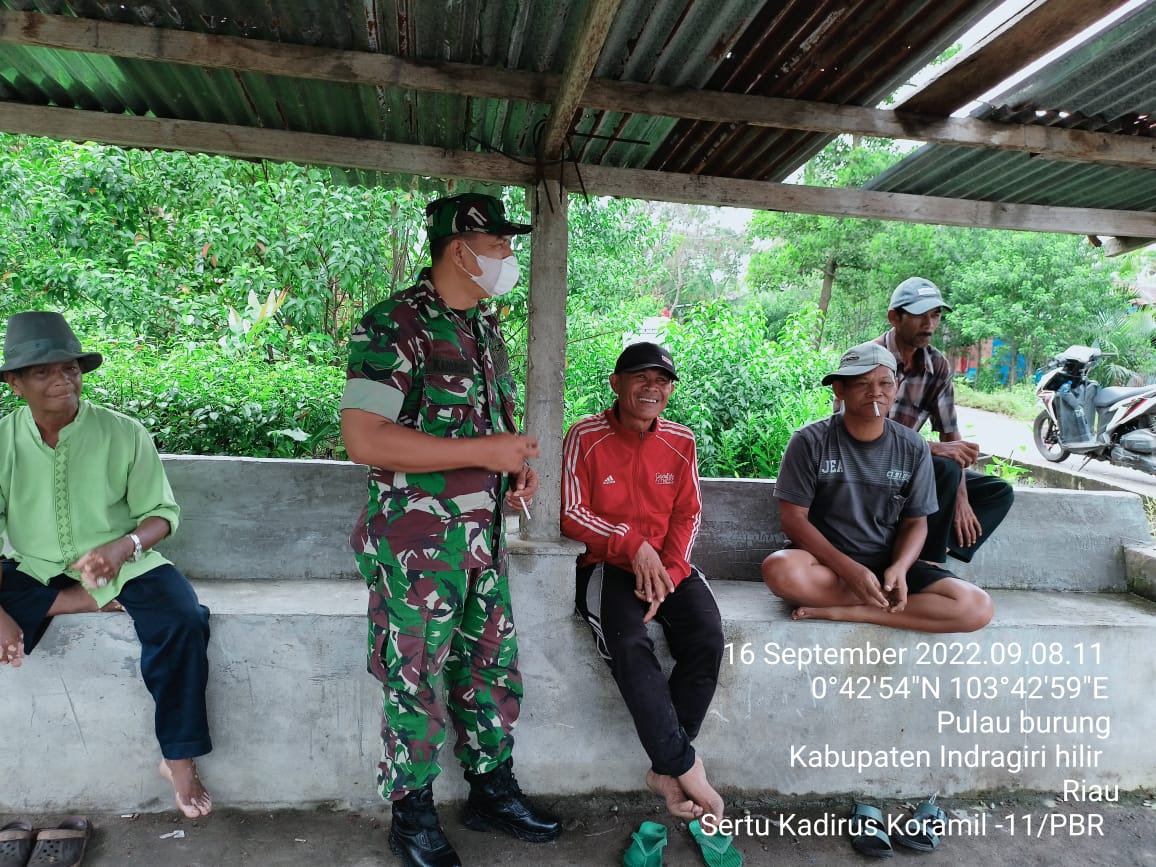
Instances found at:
x=429 y=406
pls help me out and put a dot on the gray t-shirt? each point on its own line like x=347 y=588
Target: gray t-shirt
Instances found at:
x=857 y=492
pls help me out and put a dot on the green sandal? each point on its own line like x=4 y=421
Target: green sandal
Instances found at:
x=868 y=836
x=717 y=849
x=646 y=850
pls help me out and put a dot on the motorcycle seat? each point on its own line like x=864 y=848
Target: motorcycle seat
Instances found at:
x=1108 y=396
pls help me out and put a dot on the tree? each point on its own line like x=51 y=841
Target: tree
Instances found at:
x=175 y=245
x=1038 y=293
x=803 y=250
x=698 y=259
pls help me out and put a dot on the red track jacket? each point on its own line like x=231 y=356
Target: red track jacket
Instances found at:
x=621 y=488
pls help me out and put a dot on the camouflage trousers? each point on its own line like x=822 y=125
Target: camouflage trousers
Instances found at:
x=454 y=626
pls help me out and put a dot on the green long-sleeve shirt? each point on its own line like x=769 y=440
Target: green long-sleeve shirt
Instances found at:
x=103 y=478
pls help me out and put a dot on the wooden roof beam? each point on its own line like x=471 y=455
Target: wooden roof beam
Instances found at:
x=1022 y=40
x=165 y=45
x=355 y=67
x=579 y=67
x=310 y=148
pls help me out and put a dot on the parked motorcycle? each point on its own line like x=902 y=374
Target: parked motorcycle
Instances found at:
x=1117 y=425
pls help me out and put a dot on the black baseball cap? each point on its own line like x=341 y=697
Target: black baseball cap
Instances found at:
x=644 y=356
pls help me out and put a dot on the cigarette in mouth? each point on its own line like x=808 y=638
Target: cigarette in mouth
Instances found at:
x=876 y=405
x=526 y=511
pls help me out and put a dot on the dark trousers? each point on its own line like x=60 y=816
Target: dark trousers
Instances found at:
x=667 y=714
x=173 y=628
x=990 y=499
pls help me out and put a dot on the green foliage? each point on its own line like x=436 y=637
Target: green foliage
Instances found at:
x=697 y=259
x=741 y=393
x=1036 y=292
x=863 y=259
x=1007 y=469
x=1150 y=513
x=1018 y=402
x=194 y=403
x=223 y=291
x=1039 y=293
x=167 y=243
x=1126 y=339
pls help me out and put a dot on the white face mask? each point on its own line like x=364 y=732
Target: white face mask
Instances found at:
x=498 y=275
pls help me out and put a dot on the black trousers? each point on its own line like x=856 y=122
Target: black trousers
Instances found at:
x=173 y=628
x=990 y=499
x=667 y=713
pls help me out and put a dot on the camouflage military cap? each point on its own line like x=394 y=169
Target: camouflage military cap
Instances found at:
x=469 y=212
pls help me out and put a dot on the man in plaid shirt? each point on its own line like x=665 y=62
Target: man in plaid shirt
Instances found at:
x=971 y=505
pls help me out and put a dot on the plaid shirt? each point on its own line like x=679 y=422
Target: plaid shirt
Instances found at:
x=925 y=390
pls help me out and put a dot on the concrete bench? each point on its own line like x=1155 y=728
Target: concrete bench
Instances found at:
x=1060 y=684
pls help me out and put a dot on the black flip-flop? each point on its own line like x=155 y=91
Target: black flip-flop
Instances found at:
x=16 y=840
x=921 y=831
x=62 y=846
x=868 y=834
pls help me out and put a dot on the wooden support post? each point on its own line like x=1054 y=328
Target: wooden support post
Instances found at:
x=545 y=368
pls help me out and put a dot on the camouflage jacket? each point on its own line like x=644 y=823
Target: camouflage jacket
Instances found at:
x=445 y=372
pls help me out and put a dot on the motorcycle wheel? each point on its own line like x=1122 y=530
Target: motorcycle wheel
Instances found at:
x=1047 y=439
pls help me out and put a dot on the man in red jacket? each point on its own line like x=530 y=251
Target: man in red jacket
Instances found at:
x=630 y=494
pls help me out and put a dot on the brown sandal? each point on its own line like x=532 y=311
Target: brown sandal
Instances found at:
x=62 y=846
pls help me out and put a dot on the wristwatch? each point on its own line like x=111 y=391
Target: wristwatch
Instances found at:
x=137 y=547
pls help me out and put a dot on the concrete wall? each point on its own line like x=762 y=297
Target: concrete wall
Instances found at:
x=1141 y=565
x=275 y=519
x=264 y=518
x=1051 y=539
x=295 y=716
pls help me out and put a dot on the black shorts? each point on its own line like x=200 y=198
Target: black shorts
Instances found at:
x=920 y=576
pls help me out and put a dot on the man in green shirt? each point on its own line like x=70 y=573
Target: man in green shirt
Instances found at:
x=83 y=500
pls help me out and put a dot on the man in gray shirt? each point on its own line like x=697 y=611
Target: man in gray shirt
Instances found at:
x=854 y=494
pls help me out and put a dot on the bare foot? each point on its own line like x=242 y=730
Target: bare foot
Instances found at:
x=844 y=613
x=696 y=786
x=807 y=614
x=73 y=600
x=112 y=607
x=677 y=803
x=11 y=641
x=192 y=799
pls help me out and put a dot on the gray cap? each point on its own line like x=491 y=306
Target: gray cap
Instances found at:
x=917 y=295
x=862 y=359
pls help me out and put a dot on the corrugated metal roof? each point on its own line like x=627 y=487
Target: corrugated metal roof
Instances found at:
x=847 y=52
x=838 y=51
x=1105 y=84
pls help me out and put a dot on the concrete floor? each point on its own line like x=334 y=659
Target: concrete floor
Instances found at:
x=598 y=831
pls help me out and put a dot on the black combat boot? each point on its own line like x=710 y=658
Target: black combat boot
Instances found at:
x=496 y=802
x=416 y=835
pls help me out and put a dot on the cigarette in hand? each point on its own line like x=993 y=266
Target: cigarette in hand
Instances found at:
x=525 y=510
x=876 y=405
